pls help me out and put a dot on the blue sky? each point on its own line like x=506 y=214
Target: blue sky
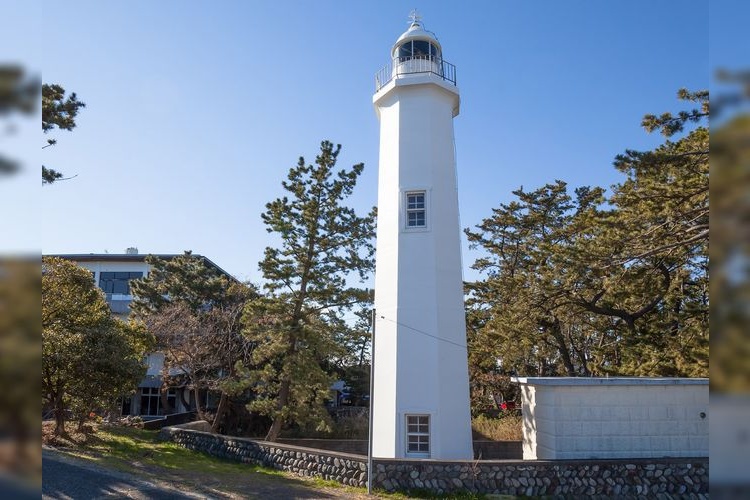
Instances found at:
x=196 y=110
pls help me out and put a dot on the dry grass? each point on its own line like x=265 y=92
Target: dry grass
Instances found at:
x=72 y=437
x=354 y=426
x=503 y=428
x=351 y=427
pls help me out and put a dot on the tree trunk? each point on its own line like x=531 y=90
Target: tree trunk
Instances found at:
x=273 y=432
x=59 y=421
x=81 y=421
x=166 y=408
x=555 y=329
x=220 y=411
x=59 y=416
x=198 y=409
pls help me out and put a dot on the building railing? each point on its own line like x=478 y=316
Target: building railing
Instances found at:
x=413 y=65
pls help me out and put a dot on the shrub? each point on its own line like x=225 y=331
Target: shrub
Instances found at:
x=503 y=428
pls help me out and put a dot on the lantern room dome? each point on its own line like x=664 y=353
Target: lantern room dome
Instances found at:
x=426 y=41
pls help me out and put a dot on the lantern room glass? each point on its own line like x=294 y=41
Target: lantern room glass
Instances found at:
x=418 y=49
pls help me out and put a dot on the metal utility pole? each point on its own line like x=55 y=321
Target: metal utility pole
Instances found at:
x=372 y=383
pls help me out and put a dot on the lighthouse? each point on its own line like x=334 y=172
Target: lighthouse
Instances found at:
x=421 y=382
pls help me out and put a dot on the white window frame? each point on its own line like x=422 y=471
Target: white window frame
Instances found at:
x=419 y=433
x=406 y=210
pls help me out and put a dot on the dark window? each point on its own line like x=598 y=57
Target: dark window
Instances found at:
x=126 y=406
x=117 y=282
x=418 y=434
x=434 y=52
x=418 y=48
x=404 y=52
x=421 y=49
x=151 y=400
x=415 y=209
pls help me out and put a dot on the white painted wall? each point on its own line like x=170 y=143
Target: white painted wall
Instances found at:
x=420 y=346
x=582 y=418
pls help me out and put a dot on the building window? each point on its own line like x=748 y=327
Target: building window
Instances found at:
x=151 y=400
x=416 y=211
x=418 y=435
x=117 y=282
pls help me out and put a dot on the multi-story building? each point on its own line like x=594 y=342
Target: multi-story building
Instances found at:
x=113 y=273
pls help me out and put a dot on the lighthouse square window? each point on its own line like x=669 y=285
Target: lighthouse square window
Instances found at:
x=416 y=212
x=418 y=434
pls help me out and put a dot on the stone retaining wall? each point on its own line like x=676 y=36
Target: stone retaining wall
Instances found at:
x=629 y=478
x=483 y=449
x=342 y=467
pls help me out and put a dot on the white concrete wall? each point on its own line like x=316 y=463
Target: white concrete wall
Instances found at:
x=420 y=343
x=581 y=418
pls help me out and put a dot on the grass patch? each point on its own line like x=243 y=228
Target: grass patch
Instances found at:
x=125 y=447
x=328 y=483
x=424 y=493
x=503 y=428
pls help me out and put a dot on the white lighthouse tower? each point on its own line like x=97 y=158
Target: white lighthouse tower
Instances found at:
x=421 y=382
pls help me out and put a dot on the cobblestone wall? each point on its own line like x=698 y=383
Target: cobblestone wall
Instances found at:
x=628 y=478
x=559 y=478
x=341 y=467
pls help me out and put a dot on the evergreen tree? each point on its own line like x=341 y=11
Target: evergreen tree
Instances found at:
x=295 y=325
x=58 y=111
x=593 y=285
x=19 y=93
x=89 y=358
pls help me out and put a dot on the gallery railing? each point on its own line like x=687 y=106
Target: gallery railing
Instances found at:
x=414 y=65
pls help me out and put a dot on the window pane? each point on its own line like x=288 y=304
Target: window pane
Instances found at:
x=120 y=286
x=121 y=275
x=106 y=275
x=421 y=48
x=405 y=50
x=415 y=200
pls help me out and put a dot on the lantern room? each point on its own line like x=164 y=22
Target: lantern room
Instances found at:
x=417 y=43
x=417 y=51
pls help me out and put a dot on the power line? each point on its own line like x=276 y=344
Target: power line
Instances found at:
x=463 y=346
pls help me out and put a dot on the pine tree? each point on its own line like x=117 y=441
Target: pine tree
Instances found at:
x=295 y=325
x=58 y=111
x=593 y=285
